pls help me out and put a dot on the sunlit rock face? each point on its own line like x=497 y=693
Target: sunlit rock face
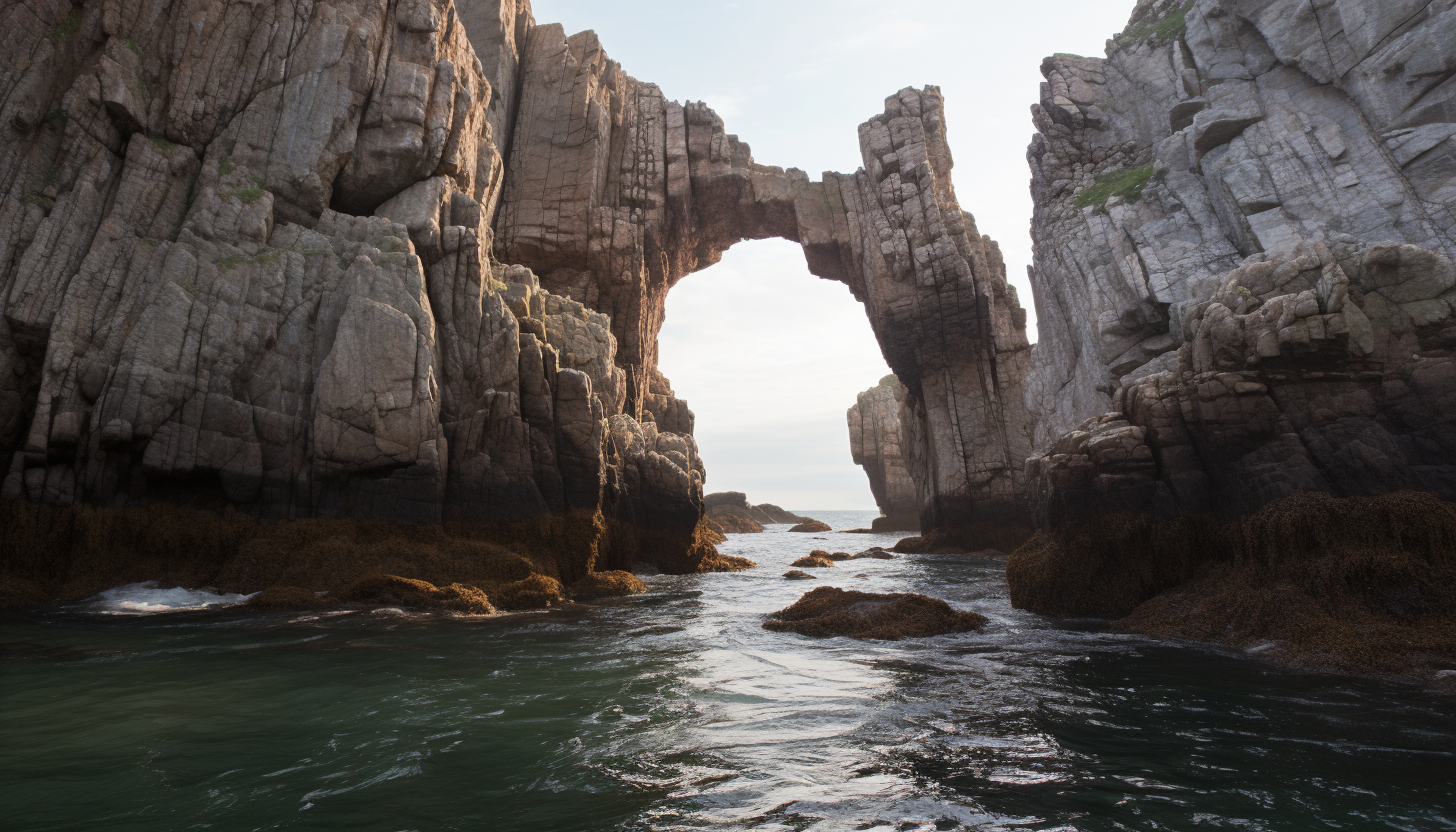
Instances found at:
x=1244 y=240
x=875 y=437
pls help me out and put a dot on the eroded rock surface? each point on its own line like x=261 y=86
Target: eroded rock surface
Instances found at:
x=409 y=260
x=272 y=289
x=875 y=437
x=1244 y=278
x=1244 y=283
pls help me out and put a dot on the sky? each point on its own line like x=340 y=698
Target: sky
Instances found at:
x=768 y=356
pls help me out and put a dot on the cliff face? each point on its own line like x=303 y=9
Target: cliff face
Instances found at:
x=409 y=260
x=270 y=287
x=875 y=436
x=1244 y=280
x=1244 y=240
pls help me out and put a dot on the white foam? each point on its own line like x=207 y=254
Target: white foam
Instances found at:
x=146 y=598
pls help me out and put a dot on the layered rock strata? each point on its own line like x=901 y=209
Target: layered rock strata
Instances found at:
x=1244 y=276
x=1244 y=240
x=273 y=289
x=410 y=262
x=875 y=436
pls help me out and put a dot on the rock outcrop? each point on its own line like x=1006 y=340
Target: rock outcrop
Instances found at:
x=410 y=261
x=828 y=611
x=875 y=436
x=1244 y=278
x=729 y=512
x=273 y=289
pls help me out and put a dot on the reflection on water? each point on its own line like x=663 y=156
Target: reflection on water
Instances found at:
x=678 y=711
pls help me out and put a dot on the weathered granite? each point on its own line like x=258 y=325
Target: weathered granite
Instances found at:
x=1270 y=312
x=875 y=436
x=1244 y=232
x=276 y=288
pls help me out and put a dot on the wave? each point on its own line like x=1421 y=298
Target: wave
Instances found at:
x=146 y=599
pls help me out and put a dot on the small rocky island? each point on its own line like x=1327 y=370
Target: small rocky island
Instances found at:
x=375 y=293
x=729 y=512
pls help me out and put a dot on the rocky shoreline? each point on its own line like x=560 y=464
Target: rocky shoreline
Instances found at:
x=398 y=283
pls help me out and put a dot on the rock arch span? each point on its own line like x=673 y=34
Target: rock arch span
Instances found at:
x=614 y=193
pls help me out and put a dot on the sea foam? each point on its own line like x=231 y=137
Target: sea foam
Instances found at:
x=146 y=598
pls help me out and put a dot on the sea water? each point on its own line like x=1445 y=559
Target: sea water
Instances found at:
x=677 y=710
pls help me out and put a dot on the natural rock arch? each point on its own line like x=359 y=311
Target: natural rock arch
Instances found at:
x=614 y=193
x=303 y=289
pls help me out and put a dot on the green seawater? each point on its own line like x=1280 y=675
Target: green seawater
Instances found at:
x=676 y=710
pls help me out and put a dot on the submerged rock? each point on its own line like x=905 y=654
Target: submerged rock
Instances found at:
x=612 y=584
x=797 y=575
x=828 y=611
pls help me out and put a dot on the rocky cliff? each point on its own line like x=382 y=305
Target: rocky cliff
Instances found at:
x=875 y=436
x=1244 y=283
x=1243 y=245
x=409 y=260
x=272 y=288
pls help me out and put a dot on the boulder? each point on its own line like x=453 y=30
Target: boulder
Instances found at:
x=828 y=611
x=814 y=562
x=611 y=584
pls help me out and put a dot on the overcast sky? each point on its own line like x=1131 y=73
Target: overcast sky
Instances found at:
x=768 y=356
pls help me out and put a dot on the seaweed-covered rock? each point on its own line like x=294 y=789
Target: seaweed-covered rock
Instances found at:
x=612 y=584
x=812 y=526
x=394 y=591
x=813 y=562
x=828 y=611
x=533 y=593
x=799 y=575
x=717 y=562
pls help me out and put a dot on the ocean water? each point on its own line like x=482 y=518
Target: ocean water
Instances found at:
x=676 y=710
